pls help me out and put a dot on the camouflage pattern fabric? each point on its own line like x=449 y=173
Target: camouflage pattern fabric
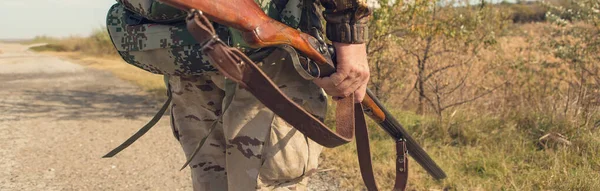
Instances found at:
x=160 y=49
x=170 y=49
x=154 y=10
x=251 y=148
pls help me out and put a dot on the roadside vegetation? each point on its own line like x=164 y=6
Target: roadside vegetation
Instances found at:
x=97 y=51
x=502 y=96
x=97 y=44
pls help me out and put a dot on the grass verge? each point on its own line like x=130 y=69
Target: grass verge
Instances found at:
x=478 y=152
x=147 y=81
x=97 y=44
x=482 y=153
x=97 y=51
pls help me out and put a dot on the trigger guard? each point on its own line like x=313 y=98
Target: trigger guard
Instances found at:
x=305 y=72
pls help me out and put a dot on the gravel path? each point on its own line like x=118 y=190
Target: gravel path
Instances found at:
x=57 y=119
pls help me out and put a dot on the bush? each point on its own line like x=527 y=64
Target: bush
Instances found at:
x=98 y=43
x=527 y=13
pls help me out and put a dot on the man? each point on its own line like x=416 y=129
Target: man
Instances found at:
x=251 y=148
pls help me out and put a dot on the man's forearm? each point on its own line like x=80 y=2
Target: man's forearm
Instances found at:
x=347 y=29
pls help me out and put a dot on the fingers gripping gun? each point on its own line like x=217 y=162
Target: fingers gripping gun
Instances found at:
x=259 y=30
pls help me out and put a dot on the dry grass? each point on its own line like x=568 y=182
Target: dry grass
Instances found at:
x=97 y=51
x=494 y=143
x=481 y=153
x=490 y=144
x=147 y=81
x=97 y=44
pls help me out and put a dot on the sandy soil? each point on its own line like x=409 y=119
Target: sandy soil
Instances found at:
x=58 y=118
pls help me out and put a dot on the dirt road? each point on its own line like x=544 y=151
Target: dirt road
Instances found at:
x=58 y=118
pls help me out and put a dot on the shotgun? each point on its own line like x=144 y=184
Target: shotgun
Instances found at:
x=259 y=31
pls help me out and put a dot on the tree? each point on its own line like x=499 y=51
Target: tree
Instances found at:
x=575 y=41
x=437 y=43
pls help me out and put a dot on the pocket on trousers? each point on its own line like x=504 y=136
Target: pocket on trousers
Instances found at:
x=285 y=154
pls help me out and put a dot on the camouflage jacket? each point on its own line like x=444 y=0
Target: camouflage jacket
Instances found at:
x=170 y=50
x=344 y=18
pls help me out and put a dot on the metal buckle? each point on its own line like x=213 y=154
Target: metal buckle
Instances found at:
x=207 y=45
x=403 y=154
x=192 y=13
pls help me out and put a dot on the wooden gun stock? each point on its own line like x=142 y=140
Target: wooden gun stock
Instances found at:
x=259 y=30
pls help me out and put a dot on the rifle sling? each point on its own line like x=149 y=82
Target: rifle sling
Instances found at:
x=363 y=150
x=142 y=130
x=236 y=66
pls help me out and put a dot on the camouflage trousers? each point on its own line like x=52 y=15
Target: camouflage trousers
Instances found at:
x=251 y=148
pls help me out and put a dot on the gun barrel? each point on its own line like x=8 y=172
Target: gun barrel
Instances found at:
x=376 y=111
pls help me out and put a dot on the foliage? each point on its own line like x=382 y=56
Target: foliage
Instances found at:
x=576 y=44
x=436 y=44
x=40 y=39
x=481 y=153
x=515 y=83
x=526 y=12
x=98 y=43
x=536 y=129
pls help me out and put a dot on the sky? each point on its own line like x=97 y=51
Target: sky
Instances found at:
x=22 y=19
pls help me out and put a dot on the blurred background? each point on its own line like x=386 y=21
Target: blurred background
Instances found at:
x=55 y=18
x=504 y=95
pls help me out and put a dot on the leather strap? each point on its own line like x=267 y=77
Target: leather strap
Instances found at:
x=142 y=130
x=240 y=69
x=364 y=156
x=236 y=66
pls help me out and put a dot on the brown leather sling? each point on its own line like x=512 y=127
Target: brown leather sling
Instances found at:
x=261 y=31
x=236 y=66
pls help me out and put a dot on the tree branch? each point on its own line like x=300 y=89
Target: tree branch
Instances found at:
x=473 y=98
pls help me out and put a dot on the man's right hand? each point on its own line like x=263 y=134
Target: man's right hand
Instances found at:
x=352 y=75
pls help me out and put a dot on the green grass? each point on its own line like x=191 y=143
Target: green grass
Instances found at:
x=482 y=153
x=478 y=151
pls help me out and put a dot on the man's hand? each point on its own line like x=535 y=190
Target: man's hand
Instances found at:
x=352 y=73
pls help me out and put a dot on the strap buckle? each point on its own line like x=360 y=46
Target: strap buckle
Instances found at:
x=192 y=13
x=402 y=152
x=207 y=44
